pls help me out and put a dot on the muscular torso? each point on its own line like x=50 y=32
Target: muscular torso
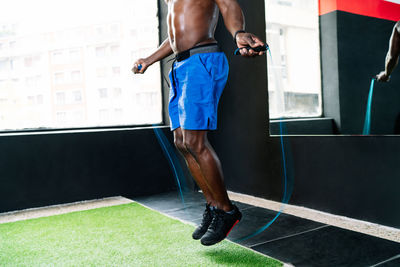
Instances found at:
x=191 y=23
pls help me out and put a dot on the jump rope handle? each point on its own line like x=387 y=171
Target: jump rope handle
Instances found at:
x=256 y=49
x=139 y=67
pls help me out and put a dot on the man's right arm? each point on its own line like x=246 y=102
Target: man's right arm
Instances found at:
x=234 y=22
x=392 y=57
x=163 y=51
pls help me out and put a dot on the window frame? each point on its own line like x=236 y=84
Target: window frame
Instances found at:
x=321 y=94
x=57 y=130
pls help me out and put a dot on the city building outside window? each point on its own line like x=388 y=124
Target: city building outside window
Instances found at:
x=77 y=96
x=103 y=93
x=116 y=71
x=61 y=117
x=117 y=92
x=58 y=57
x=100 y=51
x=115 y=50
x=13 y=44
x=31 y=100
x=76 y=76
x=101 y=72
x=74 y=55
x=294 y=73
x=4 y=65
x=114 y=29
x=59 y=78
x=77 y=72
x=28 y=62
x=60 y=98
x=39 y=99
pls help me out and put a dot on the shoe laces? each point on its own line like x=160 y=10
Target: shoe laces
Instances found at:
x=206 y=212
x=206 y=215
x=217 y=220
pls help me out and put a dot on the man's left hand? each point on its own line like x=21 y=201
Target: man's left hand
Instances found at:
x=248 y=39
x=383 y=77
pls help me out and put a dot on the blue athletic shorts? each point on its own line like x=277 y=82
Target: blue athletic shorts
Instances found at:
x=196 y=88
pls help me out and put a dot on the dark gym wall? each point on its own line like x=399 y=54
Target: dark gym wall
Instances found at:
x=357 y=177
x=45 y=169
x=251 y=160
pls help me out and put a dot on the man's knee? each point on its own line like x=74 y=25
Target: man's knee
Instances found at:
x=178 y=141
x=194 y=145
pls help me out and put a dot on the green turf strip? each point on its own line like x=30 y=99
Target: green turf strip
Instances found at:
x=124 y=235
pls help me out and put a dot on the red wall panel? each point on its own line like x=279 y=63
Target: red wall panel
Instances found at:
x=372 y=8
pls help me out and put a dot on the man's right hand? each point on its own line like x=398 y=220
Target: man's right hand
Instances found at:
x=383 y=77
x=141 y=62
x=248 y=39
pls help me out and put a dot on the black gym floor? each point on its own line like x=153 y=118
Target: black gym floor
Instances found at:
x=290 y=239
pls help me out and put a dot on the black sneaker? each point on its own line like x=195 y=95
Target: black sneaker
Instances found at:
x=205 y=223
x=221 y=226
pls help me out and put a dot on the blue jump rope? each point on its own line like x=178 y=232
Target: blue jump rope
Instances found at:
x=173 y=161
x=179 y=176
x=367 y=121
x=287 y=191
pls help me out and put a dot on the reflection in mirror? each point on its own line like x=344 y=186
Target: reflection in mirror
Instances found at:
x=320 y=76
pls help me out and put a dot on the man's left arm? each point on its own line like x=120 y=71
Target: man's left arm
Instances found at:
x=392 y=57
x=234 y=22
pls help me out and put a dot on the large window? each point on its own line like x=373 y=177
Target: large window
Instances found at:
x=67 y=63
x=294 y=73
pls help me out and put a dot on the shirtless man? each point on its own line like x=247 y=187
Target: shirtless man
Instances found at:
x=198 y=77
x=392 y=57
